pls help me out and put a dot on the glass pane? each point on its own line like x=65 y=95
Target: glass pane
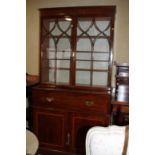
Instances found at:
x=62 y=77
x=101 y=45
x=51 y=44
x=65 y=26
x=50 y=53
x=56 y=31
x=100 y=65
x=100 y=56
x=51 y=63
x=64 y=45
x=103 y=26
x=93 y=31
x=63 y=55
x=59 y=27
x=100 y=78
x=63 y=64
x=83 y=25
x=82 y=77
x=83 y=64
x=83 y=45
x=83 y=56
x=51 y=75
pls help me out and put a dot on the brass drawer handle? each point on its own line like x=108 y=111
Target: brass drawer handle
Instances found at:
x=49 y=99
x=89 y=103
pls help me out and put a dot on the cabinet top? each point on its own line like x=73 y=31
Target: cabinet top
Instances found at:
x=75 y=89
x=80 y=11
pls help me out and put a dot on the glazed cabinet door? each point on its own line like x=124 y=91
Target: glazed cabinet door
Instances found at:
x=76 y=48
x=55 y=51
x=80 y=124
x=93 y=51
x=50 y=128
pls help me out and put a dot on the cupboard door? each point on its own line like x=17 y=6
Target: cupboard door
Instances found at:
x=50 y=128
x=80 y=124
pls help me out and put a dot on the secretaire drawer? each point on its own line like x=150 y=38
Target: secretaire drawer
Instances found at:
x=46 y=98
x=72 y=100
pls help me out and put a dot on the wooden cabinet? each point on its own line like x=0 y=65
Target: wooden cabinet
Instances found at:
x=120 y=103
x=62 y=118
x=74 y=92
x=120 y=113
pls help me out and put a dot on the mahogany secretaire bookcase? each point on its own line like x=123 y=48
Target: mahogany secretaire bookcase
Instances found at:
x=74 y=93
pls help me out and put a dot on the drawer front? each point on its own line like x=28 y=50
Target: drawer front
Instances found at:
x=72 y=101
x=94 y=102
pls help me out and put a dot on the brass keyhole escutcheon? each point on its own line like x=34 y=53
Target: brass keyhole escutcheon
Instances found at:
x=49 y=99
x=89 y=103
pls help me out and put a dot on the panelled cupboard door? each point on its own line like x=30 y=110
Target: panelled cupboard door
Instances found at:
x=50 y=128
x=81 y=123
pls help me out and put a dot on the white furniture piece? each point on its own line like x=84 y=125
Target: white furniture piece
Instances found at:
x=32 y=143
x=105 y=140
